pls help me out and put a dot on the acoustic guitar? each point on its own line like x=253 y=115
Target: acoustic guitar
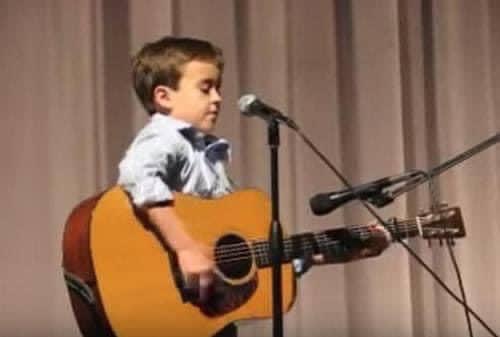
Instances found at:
x=123 y=281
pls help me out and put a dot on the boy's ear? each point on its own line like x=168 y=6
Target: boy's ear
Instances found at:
x=162 y=97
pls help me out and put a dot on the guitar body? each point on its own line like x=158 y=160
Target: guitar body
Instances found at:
x=135 y=278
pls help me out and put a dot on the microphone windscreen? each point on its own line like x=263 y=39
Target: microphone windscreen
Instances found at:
x=321 y=204
x=244 y=103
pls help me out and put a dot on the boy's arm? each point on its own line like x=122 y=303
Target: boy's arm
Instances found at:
x=195 y=259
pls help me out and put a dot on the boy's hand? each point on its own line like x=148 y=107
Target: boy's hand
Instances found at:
x=357 y=248
x=195 y=260
x=378 y=241
x=196 y=264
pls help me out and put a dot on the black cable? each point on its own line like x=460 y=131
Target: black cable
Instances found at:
x=445 y=287
x=449 y=244
x=382 y=222
x=460 y=284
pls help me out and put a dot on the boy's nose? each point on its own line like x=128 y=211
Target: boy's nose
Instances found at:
x=216 y=96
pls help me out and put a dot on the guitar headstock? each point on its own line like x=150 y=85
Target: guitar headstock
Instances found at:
x=444 y=222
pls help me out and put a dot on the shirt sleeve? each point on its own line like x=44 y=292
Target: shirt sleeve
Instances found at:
x=145 y=169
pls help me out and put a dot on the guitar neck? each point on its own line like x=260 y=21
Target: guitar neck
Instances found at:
x=334 y=243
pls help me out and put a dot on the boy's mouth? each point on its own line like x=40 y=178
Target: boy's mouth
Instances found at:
x=212 y=116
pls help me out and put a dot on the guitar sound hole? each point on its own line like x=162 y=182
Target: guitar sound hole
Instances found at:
x=233 y=256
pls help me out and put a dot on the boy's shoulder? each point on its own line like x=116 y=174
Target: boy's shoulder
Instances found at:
x=163 y=125
x=161 y=130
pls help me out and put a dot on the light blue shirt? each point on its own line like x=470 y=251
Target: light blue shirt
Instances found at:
x=171 y=155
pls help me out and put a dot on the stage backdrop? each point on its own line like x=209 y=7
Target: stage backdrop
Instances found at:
x=380 y=86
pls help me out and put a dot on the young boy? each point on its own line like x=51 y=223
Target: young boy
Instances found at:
x=178 y=81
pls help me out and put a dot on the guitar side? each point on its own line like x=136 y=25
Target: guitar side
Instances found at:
x=134 y=275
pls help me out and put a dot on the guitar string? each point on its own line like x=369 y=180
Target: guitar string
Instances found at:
x=354 y=231
x=360 y=231
x=407 y=227
x=222 y=252
x=403 y=227
x=263 y=254
x=263 y=251
x=261 y=248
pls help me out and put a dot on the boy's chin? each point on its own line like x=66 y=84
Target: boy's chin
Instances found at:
x=206 y=127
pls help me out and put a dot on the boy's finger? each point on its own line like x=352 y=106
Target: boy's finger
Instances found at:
x=206 y=280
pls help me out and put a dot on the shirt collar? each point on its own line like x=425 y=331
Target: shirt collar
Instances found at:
x=196 y=137
x=184 y=128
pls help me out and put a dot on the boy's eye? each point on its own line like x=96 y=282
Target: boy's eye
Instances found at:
x=205 y=88
x=208 y=85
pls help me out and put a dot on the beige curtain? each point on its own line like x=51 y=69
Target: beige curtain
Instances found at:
x=380 y=86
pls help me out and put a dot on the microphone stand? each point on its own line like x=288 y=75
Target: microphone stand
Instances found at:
x=412 y=183
x=276 y=232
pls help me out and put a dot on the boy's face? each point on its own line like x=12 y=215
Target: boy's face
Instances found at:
x=197 y=99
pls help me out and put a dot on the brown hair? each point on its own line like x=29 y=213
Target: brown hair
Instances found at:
x=160 y=63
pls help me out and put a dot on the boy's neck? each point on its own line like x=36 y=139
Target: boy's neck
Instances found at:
x=179 y=120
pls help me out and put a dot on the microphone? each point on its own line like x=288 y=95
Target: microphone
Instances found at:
x=324 y=203
x=250 y=106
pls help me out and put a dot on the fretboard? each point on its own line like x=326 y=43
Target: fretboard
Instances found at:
x=299 y=246
x=334 y=243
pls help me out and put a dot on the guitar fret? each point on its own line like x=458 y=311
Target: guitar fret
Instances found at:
x=331 y=247
x=320 y=240
x=264 y=257
x=262 y=253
